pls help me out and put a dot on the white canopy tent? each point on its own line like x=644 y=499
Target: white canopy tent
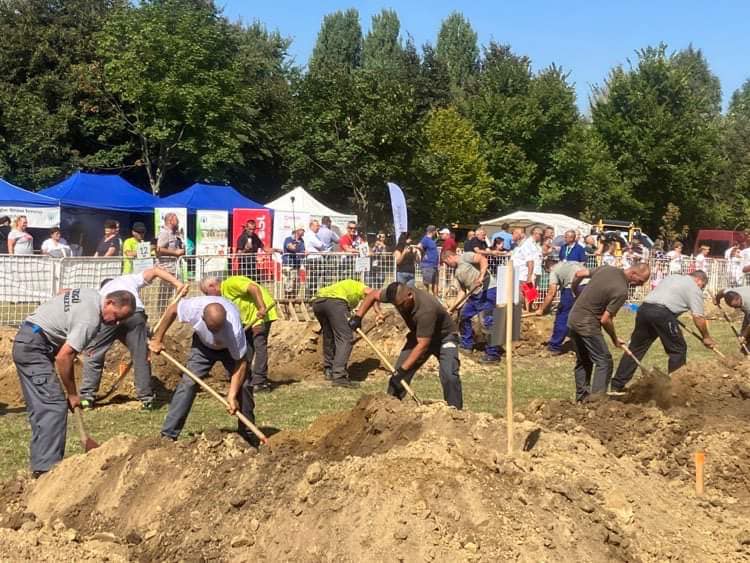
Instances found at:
x=298 y=207
x=530 y=219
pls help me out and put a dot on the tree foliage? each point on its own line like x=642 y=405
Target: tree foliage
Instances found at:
x=339 y=44
x=457 y=48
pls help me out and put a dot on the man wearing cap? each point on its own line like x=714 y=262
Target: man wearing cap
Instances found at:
x=432 y=332
x=133 y=333
x=449 y=243
x=331 y=306
x=135 y=247
x=657 y=318
x=430 y=259
x=737 y=298
x=294 y=254
x=472 y=277
x=257 y=312
x=561 y=276
x=218 y=336
x=48 y=342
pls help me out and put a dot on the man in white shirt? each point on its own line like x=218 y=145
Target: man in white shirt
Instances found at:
x=218 y=337
x=314 y=263
x=133 y=333
x=528 y=257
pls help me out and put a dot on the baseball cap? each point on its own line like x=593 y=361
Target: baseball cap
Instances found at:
x=444 y=231
x=139 y=227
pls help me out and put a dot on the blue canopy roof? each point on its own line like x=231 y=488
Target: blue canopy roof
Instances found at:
x=101 y=191
x=204 y=196
x=13 y=196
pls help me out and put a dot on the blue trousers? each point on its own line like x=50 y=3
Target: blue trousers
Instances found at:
x=483 y=302
x=560 y=330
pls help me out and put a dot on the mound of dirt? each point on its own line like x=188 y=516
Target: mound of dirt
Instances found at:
x=383 y=481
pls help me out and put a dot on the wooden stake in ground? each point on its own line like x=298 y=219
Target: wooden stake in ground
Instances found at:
x=246 y=421
x=388 y=365
x=509 y=353
x=700 y=459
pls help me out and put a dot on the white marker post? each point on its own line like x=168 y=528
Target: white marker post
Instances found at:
x=508 y=295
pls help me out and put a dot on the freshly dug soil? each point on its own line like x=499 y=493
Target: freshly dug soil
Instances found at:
x=388 y=481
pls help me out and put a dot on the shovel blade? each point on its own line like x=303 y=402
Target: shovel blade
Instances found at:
x=90 y=444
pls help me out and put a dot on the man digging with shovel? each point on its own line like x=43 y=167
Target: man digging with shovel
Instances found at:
x=561 y=276
x=218 y=337
x=657 y=318
x=737 y=298
x=431 y=332
x=48 y=341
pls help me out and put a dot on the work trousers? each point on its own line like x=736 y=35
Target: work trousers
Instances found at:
x=592 y=356
x=332 y=314
x=651 y=322
x=560 y=329
x=257 y=353
x=46 y=404
x=133 y=332
x=479 y=304
x=446 y=351
x=201 y=360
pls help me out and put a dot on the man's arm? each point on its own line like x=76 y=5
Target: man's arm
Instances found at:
x=530 y=274
x=702 y=326
x=718 y=297
x=169 y=317
x=129 y=253
x=235 y=384
x=608 y=324
x=110 y=251
x=162 y=274
x=64 y=366
x=579 y=276
x=257 y=296
x=551 y=292
x=417 y=352
x=483 y=265
x=371 y=298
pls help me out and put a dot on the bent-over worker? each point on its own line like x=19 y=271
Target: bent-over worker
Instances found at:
x=48 y=342
x=561 y=276
x=738 y=298
x=432 y=332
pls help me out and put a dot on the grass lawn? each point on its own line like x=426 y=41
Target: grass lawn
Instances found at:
x=296 y=405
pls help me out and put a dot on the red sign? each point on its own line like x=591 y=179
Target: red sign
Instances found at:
x=263 y=228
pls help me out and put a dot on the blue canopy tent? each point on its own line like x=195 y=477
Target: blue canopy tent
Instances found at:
x=13 y=196
x=90 y=199
x=42 y=212
x=205 y=196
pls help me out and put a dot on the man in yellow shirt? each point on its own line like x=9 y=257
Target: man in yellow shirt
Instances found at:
x=257 y=312
x=331 y=306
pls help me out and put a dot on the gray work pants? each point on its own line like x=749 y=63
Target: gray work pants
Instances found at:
x=133 y=332
x=333 y=316
x=257 y=353
x=200 y=362
x=592 y=356
x=446 y=351
x=46 y=404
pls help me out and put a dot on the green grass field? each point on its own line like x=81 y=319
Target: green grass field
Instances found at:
x=296 y=405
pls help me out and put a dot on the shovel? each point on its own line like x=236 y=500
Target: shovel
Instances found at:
x=389 y=365
x=87 y=442
x=653 y=372
x=734 y=330
x=246 y=421
x=699 y=337
x=125 y=368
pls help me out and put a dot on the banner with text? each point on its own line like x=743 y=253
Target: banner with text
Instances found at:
x=264 y=230
x=211 y=238
x=38 y=217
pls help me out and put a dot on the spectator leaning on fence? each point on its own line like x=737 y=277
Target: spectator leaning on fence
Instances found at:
x=20 y=242
x=469 y=238
x=406 y=256
x=571 y=251
x=130 y=246
x=349 y=241
x=504 y=235
x=294 y=253
x=248 y=245
x=430 y=260
x=314 y=264
x=326 y=235
x=109 y=245
x=478 y=243
x=56 y=246
x=4 y=232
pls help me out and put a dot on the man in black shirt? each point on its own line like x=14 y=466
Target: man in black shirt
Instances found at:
x=110 y=244
x=479 y=242
x=432 y=332
x=248 y=245
x=4 y=230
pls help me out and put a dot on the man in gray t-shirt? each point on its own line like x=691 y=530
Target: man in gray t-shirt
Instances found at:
x=738 y=298
x=657 y=318
x=51 y=337
x=472 y=277
x=561 y=276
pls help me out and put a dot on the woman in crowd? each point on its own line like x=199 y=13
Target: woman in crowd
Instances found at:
x=406 y=257
x=55 y=245
x=20 y=242
x=377 y=263
x=675 y=257
x=494 y=259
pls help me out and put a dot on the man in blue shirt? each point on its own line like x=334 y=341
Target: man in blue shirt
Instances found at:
x=571 y=251
x=294 y=254
x=326 y=235
x=503 y=233
x=430 y=259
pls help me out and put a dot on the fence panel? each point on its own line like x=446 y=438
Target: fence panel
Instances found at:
x=25 y=282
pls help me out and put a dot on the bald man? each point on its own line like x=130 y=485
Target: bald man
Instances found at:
x=218 y=336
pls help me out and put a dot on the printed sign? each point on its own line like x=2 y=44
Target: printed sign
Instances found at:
x=38 y=217
x=211 y=234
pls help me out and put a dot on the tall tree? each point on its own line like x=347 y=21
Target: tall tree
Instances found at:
x=382 y=49
x=169 y=69
x=663 y=132
x=456 y=184
x=339 y=43
x=736 y=151
x=457 y=48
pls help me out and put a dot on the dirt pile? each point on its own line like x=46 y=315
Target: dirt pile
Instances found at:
x=384 y=481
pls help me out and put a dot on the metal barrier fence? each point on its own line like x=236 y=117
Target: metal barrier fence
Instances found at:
x=27 y=281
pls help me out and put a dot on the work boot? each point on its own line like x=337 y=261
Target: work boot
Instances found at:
x=37 y=474
x=148 y=405
x=262 y=388
x=87 y=404
x=344 y=382
x=328 y=374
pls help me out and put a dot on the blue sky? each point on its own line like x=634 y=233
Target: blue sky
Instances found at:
x=586 y=38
